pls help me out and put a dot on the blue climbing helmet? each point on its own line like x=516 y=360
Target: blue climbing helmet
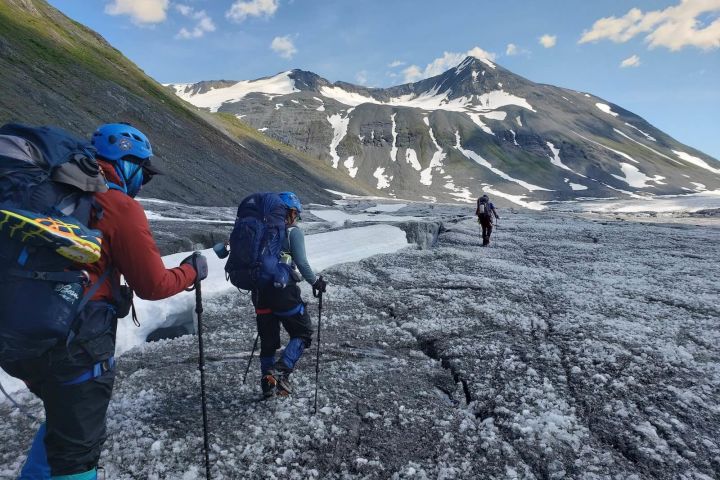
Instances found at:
x=291 y=201
x=129 y=150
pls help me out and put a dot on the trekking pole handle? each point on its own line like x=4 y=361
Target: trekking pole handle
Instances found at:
x=317 y=293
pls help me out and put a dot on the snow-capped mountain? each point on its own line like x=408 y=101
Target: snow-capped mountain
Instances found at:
x=476 y=127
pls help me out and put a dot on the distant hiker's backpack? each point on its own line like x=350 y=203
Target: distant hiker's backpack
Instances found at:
x=256 y=244
x=46 y=180
x=483 y=210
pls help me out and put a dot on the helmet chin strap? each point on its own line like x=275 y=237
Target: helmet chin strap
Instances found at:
x=125 y=181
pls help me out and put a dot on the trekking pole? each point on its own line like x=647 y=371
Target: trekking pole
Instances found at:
x=251 y=357
x=201 y=364
x=317 y=360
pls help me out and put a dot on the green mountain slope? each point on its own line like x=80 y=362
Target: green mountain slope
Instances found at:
x=54 y=70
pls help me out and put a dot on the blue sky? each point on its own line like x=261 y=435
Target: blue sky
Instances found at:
x=671 y=48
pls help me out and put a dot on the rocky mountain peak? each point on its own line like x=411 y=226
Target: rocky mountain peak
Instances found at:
x=476 y=127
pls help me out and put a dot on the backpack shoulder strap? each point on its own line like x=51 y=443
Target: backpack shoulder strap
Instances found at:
x=94 y=288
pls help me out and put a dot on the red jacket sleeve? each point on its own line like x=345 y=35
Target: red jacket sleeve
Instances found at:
x=134 y=254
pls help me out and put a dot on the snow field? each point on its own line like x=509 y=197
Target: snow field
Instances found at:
x=213 y=99
x=568 y=349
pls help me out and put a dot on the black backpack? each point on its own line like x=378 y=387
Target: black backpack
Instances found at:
x=484 y=211
x=47 y=172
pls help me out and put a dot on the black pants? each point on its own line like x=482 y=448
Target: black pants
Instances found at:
x=487 y=226
x=75 y=414
x=269 y=304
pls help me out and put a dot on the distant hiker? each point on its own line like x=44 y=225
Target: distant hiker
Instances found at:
x=486 y=214
x=275 y=293
x=74 y=376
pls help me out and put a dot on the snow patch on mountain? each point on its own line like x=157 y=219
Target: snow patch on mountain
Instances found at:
x=346 y=98
x=646 y=135
x=481 y=161
x=383 y=181
x=519 y=121
x=340 y=126
x=555 y=159
x=516 y=199
x=461 y=193
x=495 y=115
x=635 y=178
x=696 y=161
x=475 y=117
x=500 y=98
x=394 y=149
x=575 y=186
x=321 y=108
x=412 y=158
x=213 y=99
x=606 y=108
x=514 y=138
x=350 y=165
x=436 y=161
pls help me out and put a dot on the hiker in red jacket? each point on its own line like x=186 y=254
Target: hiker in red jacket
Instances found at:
x=75 y=381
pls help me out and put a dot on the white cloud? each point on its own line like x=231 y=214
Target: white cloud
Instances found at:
x=396 y=63
x=141 y=11
x=633 y=61
x=685 y=24
x=361 y=77
x=548 y=41
x=240 y=10
x=478 y=52
x=414 y=73
x=511 y=49
x=204 y=22
x=283 y=46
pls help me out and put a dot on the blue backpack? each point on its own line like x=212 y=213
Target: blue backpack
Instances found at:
x=256 y=244
x=47 y=177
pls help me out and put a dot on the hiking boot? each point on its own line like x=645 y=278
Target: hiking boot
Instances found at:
x=66 y=235
x=284 y=387
x=268 y=384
